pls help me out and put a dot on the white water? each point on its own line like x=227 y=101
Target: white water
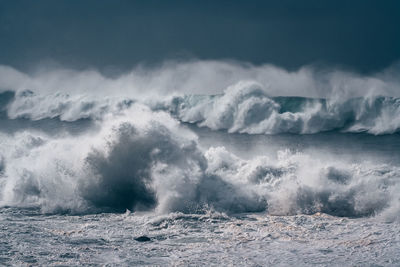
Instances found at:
x=180 y=143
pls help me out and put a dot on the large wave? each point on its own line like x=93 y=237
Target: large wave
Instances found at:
x=247 y=108
x=242 y=108
x=145 y=160
x=222 y=96
x=79 y=142
x=140 y=161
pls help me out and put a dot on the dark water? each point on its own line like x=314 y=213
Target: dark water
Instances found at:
x=356 y=147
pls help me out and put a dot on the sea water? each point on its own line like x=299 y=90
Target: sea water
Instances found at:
x=109 y=174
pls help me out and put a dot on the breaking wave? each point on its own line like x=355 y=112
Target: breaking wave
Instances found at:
x=247 y=108
x=235 y=97
x=146 y=161
x=242 y=108
x=87 y=152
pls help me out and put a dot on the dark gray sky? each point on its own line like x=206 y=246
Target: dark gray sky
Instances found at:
x=363 y=35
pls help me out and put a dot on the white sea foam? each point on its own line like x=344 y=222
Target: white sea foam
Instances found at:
x=244 y=96
x=145 y=160
x=247 y=108
x=135 y=154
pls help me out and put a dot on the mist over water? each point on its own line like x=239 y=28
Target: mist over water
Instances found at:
x=203 y=138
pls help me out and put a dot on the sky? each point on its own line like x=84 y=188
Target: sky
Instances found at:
x=362 y=35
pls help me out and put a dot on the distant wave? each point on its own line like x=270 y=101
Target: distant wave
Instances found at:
x=246 y=108
x=236 y=97
x=242 y=108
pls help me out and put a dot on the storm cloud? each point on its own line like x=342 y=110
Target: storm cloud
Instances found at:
x=117 y=35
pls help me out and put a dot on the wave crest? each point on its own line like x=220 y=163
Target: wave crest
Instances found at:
x=145 y=160
x=246 y=108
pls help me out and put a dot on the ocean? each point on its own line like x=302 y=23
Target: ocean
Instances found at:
x=199 y=163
